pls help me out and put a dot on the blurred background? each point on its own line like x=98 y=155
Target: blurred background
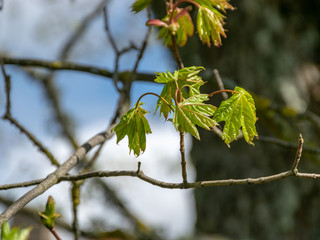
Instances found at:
x=272 y=50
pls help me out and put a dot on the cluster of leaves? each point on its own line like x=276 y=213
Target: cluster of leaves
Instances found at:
x=15 y=233
x=178 y=22
x=181 y=95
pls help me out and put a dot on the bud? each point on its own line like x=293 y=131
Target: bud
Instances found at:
x=49 y=216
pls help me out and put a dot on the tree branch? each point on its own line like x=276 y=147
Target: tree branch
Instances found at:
x=53 y=178
x=64 y=65
x=200 y=184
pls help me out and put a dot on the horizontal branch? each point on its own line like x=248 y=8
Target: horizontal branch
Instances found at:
x=184 y=185
x=139 y=174
x=62 y=65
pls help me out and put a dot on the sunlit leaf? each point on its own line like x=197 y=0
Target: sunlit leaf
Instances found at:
x=15 y=233
x=192 y=112
x=210 y=20
x=183 y=78
x=134 y=125
x=238 y=112
x=139 y=5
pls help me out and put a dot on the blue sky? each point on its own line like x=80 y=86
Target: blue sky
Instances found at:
x=38 y=29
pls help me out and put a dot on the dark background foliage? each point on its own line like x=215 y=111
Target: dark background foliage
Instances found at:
x=273 y=50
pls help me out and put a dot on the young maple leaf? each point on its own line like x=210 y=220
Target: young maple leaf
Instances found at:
x=186 y=77
x=192 y=112
x=210 y=20
x=238 y=112
x=134 y=125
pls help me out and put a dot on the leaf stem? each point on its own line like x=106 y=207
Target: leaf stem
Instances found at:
x=151 y=93
x=221 y=91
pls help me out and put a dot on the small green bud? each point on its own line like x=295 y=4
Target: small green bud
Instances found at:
x=49 y=216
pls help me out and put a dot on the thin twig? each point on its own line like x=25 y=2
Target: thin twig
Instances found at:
x=33 y=139
x=7 y=82
x=176 y=52
x=183 y=158
x=83 y=26
x=75 y=196
x=55 y=234
x=115 y=48
x=298 y=155
x=143 y=48
x=8 y=116
x=220 y=83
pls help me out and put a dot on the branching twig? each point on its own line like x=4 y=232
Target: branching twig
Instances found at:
x=8 y=116
x=114 y=46
x=211 y=183
x=53 y=178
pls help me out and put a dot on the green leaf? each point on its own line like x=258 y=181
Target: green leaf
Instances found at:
x=139 y=5
x=183 y=78
x=48 y=217
x=134 y=125
x=192 y=112
x=182 y=28
x=210 y=20
x=238 y=112
x=14 y=233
